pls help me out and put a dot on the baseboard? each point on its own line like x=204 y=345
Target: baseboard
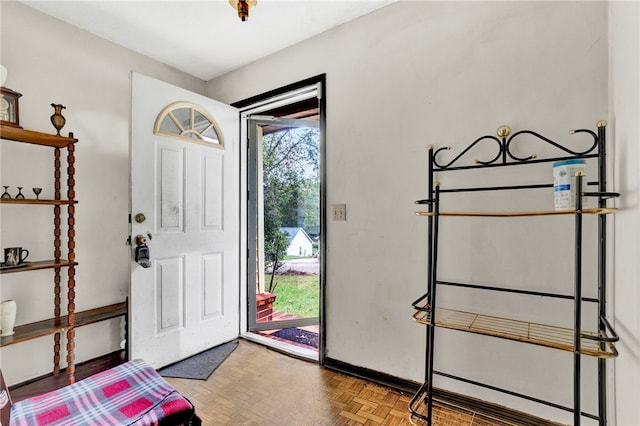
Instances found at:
x=481 y=407
x=401 y=385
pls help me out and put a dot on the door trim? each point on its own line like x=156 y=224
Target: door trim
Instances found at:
x=286 y=93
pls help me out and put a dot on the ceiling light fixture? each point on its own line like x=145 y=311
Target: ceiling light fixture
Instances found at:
x=243 y=6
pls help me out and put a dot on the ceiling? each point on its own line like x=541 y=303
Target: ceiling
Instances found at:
x=206 y=38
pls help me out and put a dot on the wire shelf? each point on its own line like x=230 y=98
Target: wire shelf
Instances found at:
x=528 y=332
x=607 y=210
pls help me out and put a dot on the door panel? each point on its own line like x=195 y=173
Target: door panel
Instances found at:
x=169 y=290
x=171 y=179
x=188 y=192
x=212 y=285
x=213 y=184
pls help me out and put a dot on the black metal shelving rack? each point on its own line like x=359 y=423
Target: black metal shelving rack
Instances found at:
x=598 y=343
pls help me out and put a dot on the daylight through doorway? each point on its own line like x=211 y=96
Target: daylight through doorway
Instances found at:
x=286 y=202
x=284 y=220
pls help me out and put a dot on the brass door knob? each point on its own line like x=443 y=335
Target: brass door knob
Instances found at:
x=140 y=218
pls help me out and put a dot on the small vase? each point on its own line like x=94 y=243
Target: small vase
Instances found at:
x=19 y=195
x=57 y=119
x=6 y=194
x=7 y=317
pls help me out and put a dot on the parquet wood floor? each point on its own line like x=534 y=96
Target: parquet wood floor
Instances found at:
x=259 y=386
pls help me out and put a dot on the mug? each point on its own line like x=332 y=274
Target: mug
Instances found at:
x=14 y=256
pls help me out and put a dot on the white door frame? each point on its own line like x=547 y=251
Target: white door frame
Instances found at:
x=314 y=86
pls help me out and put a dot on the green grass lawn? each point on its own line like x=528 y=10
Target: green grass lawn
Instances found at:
x=297 y=295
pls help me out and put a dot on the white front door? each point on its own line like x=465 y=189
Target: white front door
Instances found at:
x=188 y=192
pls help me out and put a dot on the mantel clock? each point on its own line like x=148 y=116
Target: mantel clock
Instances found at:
x=9 y=111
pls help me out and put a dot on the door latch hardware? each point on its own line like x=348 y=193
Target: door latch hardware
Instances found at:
x=142 y=255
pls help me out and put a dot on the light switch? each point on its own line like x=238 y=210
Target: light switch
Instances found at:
x=339 y=212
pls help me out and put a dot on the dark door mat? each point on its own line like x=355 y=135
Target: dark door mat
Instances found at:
x=298 y=335
x=199 y=366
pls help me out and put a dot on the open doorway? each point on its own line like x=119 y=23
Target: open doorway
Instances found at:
x=285 y=221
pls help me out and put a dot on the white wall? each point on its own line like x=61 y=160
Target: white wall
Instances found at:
x=444 y=73
x=624 y=39
x=409 y=75
x=49 y=61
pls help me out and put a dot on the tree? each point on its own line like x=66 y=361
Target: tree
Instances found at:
x=309 y=208
x=290 y=172
x=275 y=248
x=290 y=180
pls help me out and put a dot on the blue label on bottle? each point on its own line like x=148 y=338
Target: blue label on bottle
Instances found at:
x=559 y=188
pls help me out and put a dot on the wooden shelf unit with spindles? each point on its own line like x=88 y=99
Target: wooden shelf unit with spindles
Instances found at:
x=63 y=209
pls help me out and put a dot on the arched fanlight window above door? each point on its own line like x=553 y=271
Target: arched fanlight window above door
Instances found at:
x=188 y=121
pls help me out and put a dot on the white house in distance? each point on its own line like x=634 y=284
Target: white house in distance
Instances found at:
x=300 y=243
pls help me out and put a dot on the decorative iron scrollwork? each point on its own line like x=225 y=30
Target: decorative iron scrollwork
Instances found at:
x=550 y=142
x=505 y=154
x=467 y=149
